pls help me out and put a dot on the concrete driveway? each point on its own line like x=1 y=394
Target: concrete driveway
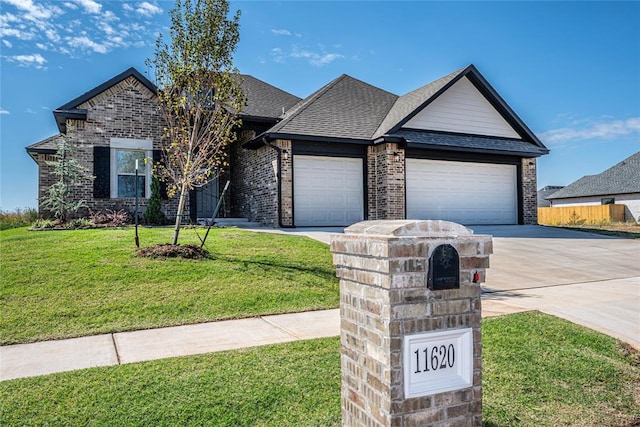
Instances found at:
x=590 y=279
x=586 y=278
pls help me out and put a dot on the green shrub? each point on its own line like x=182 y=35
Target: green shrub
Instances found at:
x=79 y=223
x=154 y=215
x=17 y=218
x=43 y=224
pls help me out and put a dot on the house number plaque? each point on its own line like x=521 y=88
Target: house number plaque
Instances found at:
x=444 y=269
x=437 y=362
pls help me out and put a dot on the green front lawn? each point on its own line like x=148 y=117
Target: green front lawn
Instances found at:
x=538 y=371
x=60 y=284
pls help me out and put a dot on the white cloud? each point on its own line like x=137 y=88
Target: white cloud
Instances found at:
x=147 y=9
x=35 y=60
x=84 y=42
x=35 y=12
x=277 y=55
x=315 y=58
x=61 y=26
x=3 y=111
x=281 y=32
x=19 y=34
x=601 y=129
x=90 y=6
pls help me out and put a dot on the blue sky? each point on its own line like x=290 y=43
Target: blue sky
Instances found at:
x=570 y=70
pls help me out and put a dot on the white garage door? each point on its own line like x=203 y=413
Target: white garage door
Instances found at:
x=327 y=191
x=466 y=193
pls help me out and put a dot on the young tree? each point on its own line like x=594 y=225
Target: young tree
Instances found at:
x=59 y=199
x=199 y=94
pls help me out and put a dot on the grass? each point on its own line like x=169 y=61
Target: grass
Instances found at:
x=538 y=371
x=629 y=230
x=59 y=284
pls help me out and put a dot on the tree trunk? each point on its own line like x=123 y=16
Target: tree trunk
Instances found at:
x=181 y=202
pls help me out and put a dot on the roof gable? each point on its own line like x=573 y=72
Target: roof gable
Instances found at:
x=622 y=178
x=346 y=108
x=462 y=109
x=71 y=109
x=409 y=105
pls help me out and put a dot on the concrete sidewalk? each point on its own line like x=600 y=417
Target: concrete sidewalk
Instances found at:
x=47 y=357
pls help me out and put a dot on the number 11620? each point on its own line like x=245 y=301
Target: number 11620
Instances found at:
x=435 y=358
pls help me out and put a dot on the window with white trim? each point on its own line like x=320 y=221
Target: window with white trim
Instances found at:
x=125 y=153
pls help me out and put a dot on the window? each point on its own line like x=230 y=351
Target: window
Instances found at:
x=608 y=201
x=124 y=154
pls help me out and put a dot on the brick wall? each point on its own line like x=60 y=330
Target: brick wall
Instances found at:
x=385 y=176
x=529 y=192
x=126 y=110
x=254 y=182
x=382 y=266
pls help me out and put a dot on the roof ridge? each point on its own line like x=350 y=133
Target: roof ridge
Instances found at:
x=306 y=102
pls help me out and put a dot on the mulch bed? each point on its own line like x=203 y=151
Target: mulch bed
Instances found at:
x=173 y=251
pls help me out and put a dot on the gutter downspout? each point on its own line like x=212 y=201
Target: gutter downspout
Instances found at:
x=278 y=178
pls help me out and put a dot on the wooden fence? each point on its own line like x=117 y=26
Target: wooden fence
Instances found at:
x=577 y=215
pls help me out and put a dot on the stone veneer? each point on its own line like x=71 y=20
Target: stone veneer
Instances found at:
x=126 y=110
x=382 y=266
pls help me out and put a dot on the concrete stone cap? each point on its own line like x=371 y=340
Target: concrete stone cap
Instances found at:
x=409 y=227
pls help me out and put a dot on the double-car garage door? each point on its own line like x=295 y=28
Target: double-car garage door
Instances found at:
x=329 y=191
x=462 y=192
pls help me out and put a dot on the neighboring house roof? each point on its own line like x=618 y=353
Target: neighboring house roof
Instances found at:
x=349 y=110
x=545 y=192
x=264 y=101
x=46 y=146
x=344 y=109
x=623 y=178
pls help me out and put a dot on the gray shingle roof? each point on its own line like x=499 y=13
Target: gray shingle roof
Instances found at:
x=264 y=100
x=622 y=178
x=408 y=103
x=469 y=143
x=545 y=192
x=48 y=145
x=346 y=108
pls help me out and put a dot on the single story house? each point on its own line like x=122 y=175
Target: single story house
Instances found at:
x=545 y=192
x=619 y=184
x=452 y=149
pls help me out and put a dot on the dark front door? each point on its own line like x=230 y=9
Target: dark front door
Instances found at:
x=207 y=199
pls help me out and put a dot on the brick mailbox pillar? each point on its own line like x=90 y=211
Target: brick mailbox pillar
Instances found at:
x=410 y=323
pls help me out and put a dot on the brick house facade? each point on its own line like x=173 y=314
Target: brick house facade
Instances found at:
x=452 y=150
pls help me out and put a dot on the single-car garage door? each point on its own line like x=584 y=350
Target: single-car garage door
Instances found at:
x=462 y=192
x=327 y=191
